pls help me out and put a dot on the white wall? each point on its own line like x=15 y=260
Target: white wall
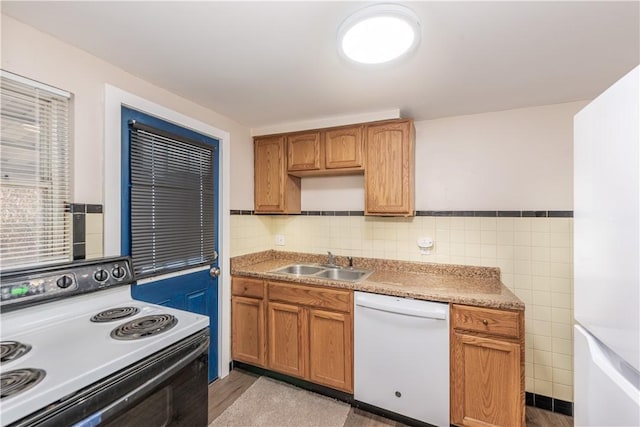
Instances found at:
x=518 y=159
x=36 y=55
x=340 y=193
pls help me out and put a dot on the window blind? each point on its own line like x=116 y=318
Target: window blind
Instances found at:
x=172 y=202
x=34 y=173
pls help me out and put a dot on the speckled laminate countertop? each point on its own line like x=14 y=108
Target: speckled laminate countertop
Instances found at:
x=479 y=286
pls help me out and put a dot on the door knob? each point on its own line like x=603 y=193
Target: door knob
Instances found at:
x=214 y=272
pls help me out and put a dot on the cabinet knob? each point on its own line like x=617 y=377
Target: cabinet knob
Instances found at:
x=485 y=322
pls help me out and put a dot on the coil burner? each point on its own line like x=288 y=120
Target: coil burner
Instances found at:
x=11 y=350
x=19 y=380
x=115 y=314
x=144 y=327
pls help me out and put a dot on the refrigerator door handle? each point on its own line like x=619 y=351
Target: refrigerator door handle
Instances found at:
x=622 y=375
x=607 y=388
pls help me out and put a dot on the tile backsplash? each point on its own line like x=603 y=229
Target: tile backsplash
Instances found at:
x=250 y=233
x=534 y=254
x=87 y=231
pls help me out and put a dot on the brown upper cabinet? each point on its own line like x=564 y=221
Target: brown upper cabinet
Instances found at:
x=383 y=151
x=303 y=152
x=325 y=152
x=389 y=172
x=274 y=190
x=344 y=148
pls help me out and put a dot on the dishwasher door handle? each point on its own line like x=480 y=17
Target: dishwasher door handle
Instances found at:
x=438 y=313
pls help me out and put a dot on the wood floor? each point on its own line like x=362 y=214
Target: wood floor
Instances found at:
x=224 y=392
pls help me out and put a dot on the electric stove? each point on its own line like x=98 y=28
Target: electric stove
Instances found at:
x=71 y=333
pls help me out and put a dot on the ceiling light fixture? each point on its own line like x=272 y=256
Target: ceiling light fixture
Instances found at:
x=379 y=34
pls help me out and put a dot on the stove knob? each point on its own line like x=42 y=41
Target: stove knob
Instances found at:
x=118 y=272
x=101 y=275
x=64 y=282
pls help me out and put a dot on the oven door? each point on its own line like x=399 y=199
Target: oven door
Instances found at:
x=166 y=389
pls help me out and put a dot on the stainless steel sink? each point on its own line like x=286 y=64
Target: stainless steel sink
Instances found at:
x=300 y=269
x=325 y=272
x=343 y=274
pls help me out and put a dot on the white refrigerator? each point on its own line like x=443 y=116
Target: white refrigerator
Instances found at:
x=607 y=257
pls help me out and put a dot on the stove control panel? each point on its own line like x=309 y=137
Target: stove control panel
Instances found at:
x=35 y=286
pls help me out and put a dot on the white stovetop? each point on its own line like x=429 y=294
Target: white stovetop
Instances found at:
x=76 y=352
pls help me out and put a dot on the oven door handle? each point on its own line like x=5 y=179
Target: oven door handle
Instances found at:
x=139 y=392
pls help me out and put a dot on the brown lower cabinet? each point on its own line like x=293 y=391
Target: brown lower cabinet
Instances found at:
x=248 y=331
x=307 y=330
x=287 y=335
x=487 y=367
x=331 y=349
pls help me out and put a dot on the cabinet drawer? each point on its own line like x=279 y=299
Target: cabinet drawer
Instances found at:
x=245 y=287
x=332 y=299
x=487 y=320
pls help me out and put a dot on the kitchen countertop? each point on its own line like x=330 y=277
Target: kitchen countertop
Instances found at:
x=460 y=284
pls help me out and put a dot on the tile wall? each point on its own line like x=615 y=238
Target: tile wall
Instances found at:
x=250 y=233
x=534 y=255
x=87 y=231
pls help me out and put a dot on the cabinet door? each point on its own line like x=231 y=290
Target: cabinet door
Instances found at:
x=269 y=164
x=288 y=337
x=274 y=190
x=303 y=152
x=343 y=148
x=389 y=169
x=330 y=349
x=485 y=378
x=247 y=330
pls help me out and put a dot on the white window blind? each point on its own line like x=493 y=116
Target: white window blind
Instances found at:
x=34 y=173
x=172 y=202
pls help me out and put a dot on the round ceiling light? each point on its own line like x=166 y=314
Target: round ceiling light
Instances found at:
x=378 y=34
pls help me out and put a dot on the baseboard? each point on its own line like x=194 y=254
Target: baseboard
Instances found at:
x=549 y=403
x=390 y=415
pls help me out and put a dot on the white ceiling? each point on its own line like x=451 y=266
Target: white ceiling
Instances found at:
x=265 y=63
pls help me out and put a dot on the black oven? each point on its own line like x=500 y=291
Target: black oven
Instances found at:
x=168 y=388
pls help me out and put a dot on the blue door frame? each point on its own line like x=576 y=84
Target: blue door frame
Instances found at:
x=196 y=292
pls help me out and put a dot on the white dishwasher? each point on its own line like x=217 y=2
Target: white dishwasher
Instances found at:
x=401 y=356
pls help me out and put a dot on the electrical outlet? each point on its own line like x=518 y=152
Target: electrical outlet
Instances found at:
x=425 y=244
x=280 y=239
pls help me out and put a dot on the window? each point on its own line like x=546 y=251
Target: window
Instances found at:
x=172 y=202
x=34 y=173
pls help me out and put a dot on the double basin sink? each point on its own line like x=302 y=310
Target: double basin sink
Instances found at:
x=330 y=272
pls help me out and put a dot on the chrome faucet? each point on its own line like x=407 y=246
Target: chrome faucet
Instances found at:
x=330 y=260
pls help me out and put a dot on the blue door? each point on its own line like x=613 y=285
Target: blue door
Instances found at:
x=191 y=291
